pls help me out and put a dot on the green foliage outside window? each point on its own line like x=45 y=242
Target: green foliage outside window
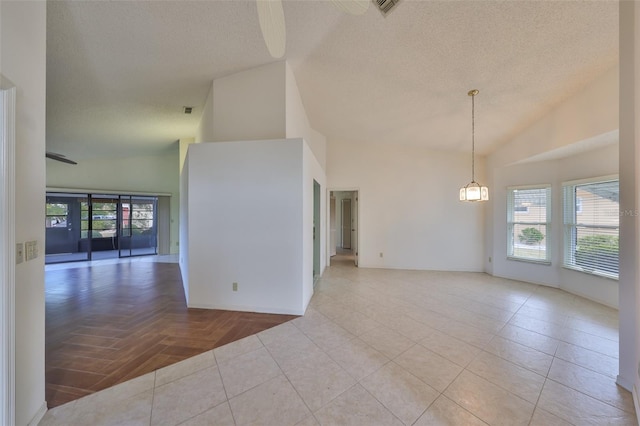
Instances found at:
x=57 y=209
x=598 y=250
x=530 y=236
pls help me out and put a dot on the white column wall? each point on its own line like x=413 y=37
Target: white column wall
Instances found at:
x=262 y=104
x=23 y=62
x=245 y=225
x=629 y=374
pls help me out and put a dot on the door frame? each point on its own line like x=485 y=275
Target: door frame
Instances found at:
x=317 y=234
x=7 y=254
x=358 y=196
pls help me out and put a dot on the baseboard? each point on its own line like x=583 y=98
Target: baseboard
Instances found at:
x=621 y=381
x=243 y=308
x=39 y=414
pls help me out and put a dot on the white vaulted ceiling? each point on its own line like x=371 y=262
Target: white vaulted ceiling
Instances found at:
x=120 y=72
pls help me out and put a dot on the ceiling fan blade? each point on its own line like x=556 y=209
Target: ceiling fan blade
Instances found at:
x=352 y=7
x=59 y=157
x=271 y=17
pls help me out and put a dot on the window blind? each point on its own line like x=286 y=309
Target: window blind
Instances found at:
x=591 y=221
x=528 y=223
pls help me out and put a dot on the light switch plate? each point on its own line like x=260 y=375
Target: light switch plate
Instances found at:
x=31 y=250
x=19 y=253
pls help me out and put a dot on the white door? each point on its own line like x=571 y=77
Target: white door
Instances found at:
x=346 y=223
x=333 y=237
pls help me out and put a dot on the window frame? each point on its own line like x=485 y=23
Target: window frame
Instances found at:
x=511 y=223
x=569 y=236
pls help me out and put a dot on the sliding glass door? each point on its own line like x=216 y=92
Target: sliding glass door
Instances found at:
x=138 y=226
x=99 y=226
x=66 y=225
x=102 y=227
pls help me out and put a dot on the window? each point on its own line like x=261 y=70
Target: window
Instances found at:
x=56 y=215
x=104 y=216
x=591 y=226
x=528 y=222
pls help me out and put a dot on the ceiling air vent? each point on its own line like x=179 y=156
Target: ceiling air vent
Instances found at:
x=188 y=110
x=385 y=6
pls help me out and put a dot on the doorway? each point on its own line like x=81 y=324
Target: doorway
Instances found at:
x=343 y=218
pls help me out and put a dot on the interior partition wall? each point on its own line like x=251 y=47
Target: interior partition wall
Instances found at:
x=99 y=226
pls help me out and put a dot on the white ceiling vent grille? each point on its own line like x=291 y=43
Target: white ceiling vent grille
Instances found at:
x=385 y=6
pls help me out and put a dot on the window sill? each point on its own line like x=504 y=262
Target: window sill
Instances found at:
x=594 y=273
x=534 y=261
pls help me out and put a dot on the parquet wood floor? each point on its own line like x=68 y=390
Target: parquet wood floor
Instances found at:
x=108 y=324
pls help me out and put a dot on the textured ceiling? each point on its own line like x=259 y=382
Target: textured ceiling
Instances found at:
x=119 y=73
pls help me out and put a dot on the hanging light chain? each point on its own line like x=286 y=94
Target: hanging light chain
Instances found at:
x=473 y=94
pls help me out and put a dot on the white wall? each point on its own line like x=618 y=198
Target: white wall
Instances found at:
x=297 y=123
x=184 y=225
x=595 y=163
x=591 y=112
x=23 y=61
x=250 y=220
x=183 y=147
x=312 y=170
x=152 y=174
x=629 y=375
x=205 y=128
x=250 y=105
x=409 y=207
x=259 y=103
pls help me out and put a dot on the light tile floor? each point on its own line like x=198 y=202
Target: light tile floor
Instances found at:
x=390 y=347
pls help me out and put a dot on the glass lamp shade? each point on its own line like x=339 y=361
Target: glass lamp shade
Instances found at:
x=474 y=192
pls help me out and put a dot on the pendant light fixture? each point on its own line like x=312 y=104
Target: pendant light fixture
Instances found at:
x=473 y=191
